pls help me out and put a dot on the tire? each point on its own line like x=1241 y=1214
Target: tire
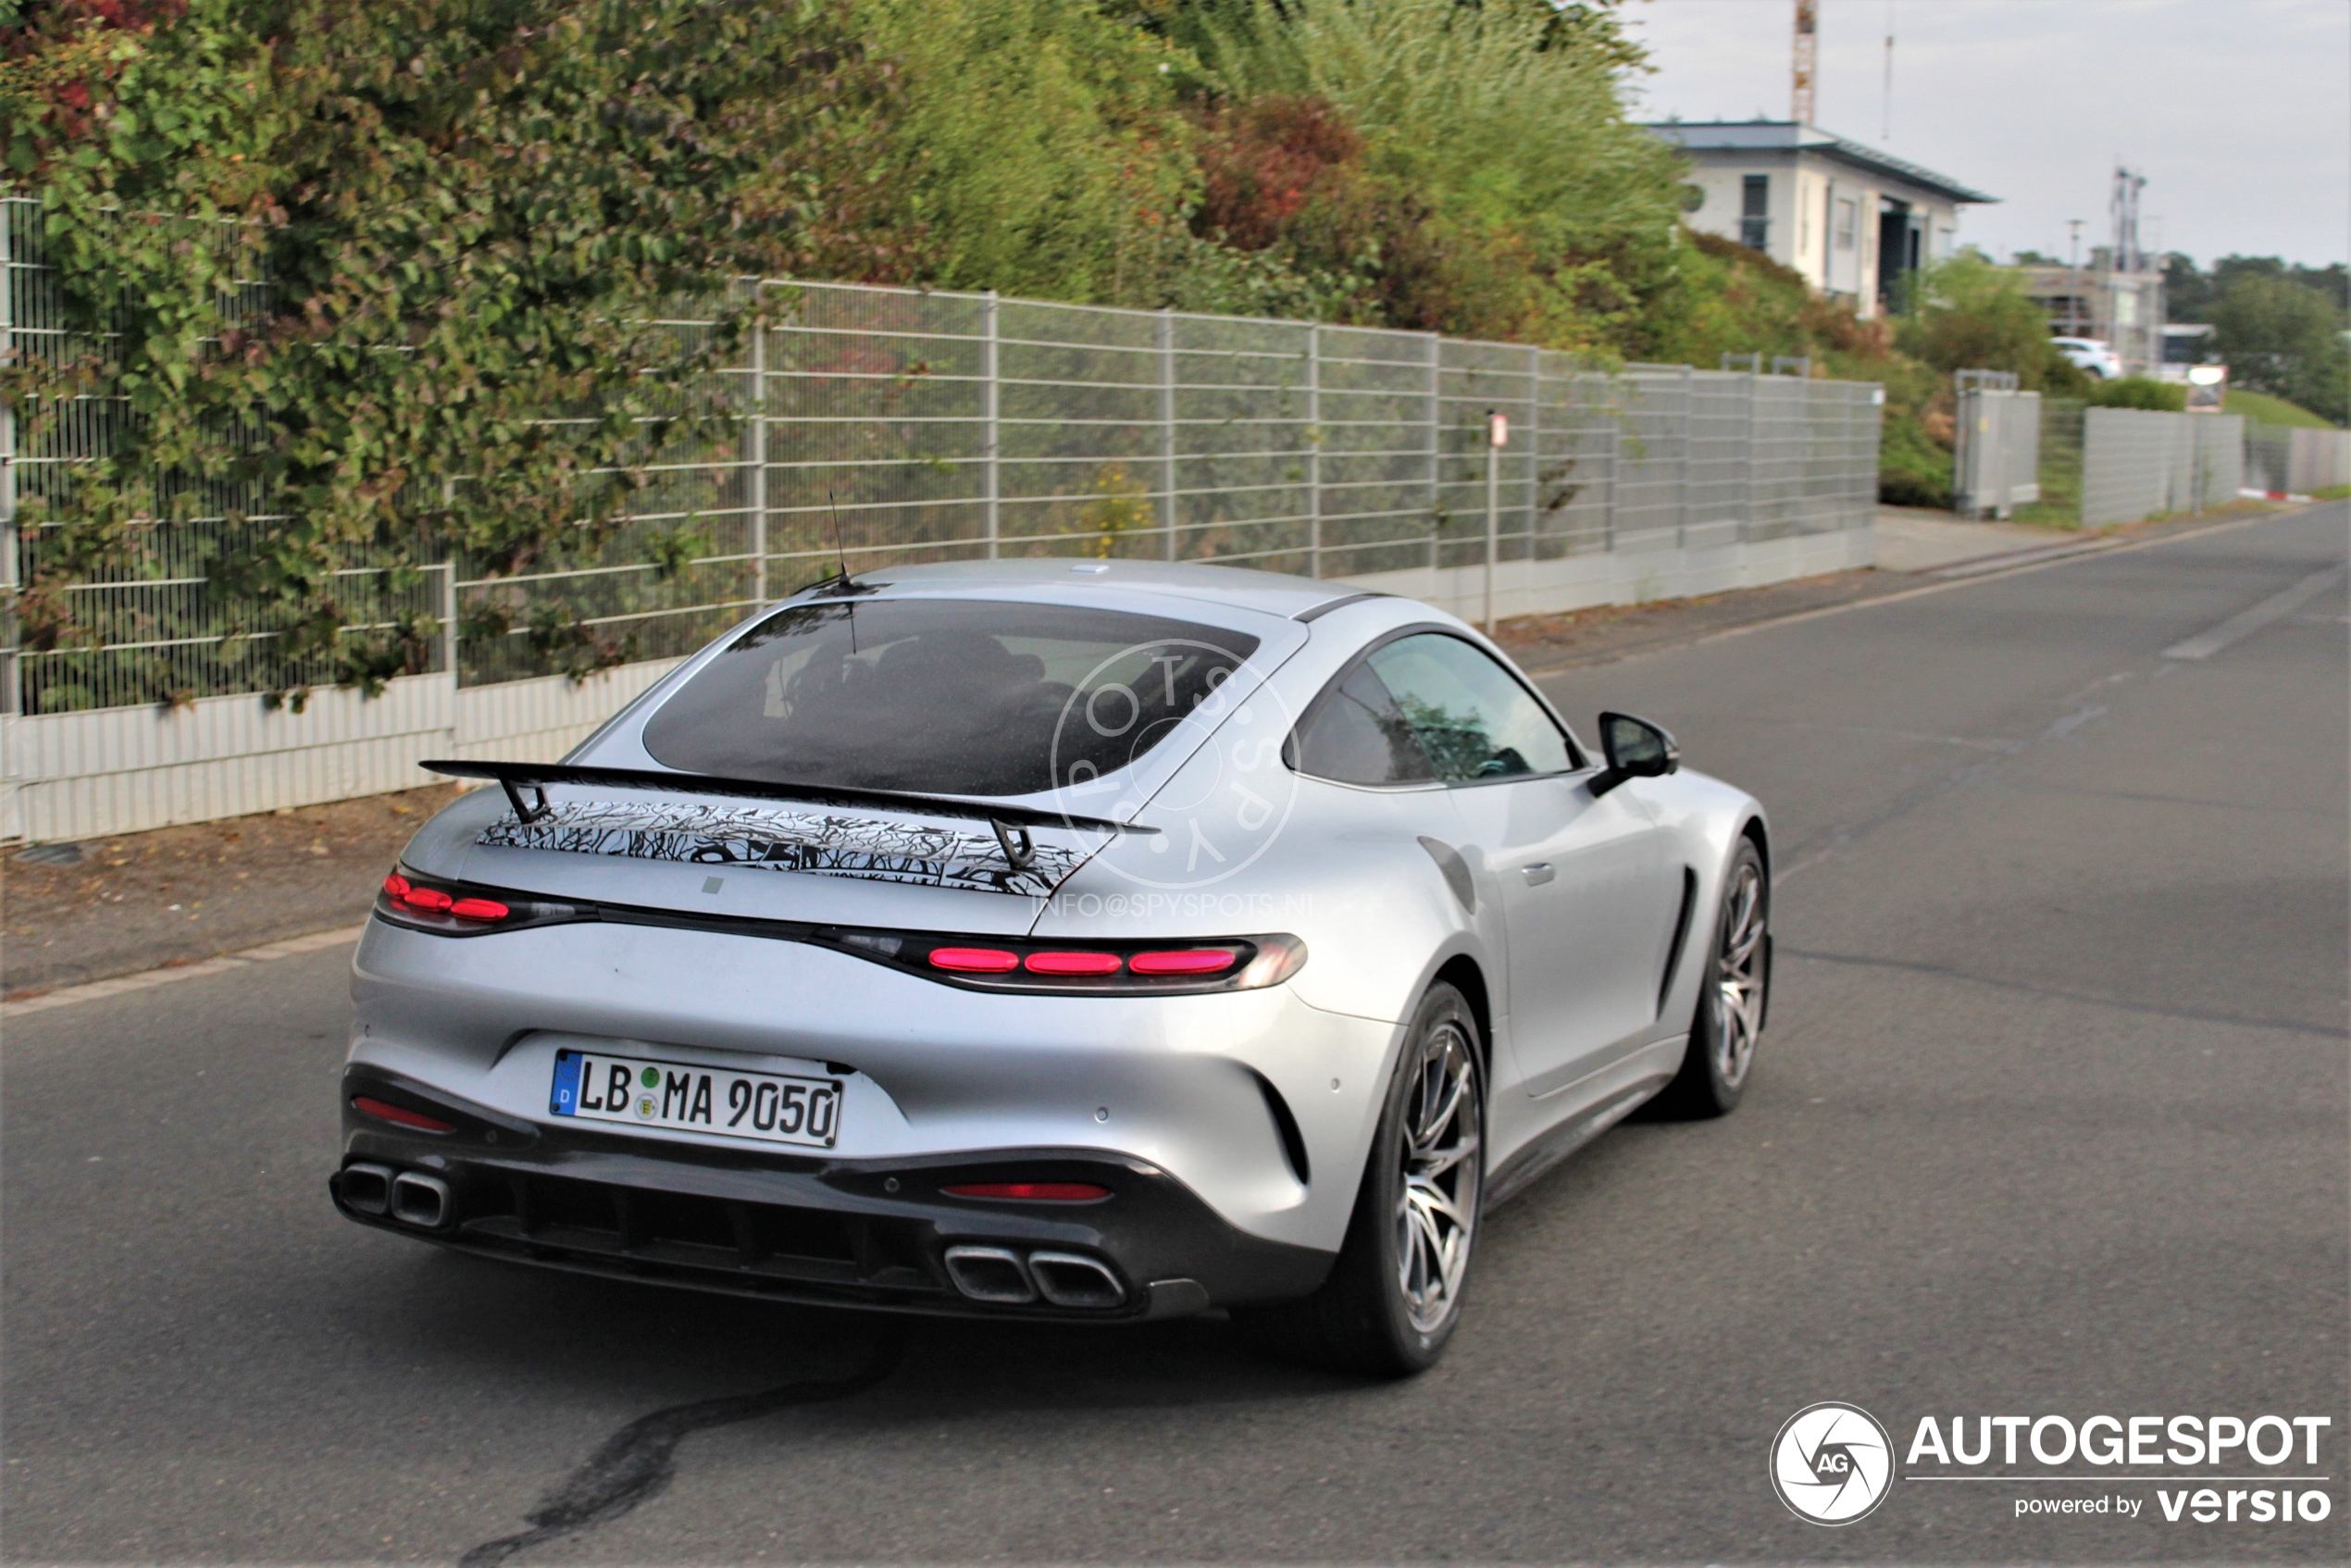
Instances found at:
x=1394 y=1297
x=1731 y=999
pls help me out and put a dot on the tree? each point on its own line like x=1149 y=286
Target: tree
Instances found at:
x=2286 y=339
x=1968 y=314
x=1510 y=197
x=343 y=250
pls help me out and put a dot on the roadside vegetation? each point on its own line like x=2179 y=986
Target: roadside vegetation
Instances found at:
x=2279 y=327
x=471 y=212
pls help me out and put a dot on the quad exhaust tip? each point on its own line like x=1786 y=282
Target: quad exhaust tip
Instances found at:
x=1072 y=1279
x=410 y=1197
x=367 y=1189
x=1003 y=1277
x=420 y=1201
x=991 y=1274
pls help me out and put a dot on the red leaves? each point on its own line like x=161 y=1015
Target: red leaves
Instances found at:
x=1264 y=160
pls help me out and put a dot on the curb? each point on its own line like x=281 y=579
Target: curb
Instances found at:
x=42 y=1001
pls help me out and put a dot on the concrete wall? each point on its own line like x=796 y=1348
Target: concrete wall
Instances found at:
x=2138 y=464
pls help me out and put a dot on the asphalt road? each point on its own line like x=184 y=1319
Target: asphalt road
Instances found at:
x=2051 y=1118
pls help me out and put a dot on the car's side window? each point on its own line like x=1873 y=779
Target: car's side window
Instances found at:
x=1471 y=718
x=1356 y=734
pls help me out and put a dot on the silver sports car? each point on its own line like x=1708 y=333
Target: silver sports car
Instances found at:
x=1088 y=941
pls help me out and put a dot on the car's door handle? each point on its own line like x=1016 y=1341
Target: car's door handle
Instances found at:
x=1538 y=874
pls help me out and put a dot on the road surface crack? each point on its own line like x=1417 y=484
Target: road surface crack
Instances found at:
x=637 y=1464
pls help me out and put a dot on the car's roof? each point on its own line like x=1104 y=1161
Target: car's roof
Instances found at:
x=1272 y=593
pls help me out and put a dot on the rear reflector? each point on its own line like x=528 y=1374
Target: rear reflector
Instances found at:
x=480 y=909
x=973 y=960
x=1033 y=1191
x=1072 y=964
x=1186 y=961
x=367 y=1106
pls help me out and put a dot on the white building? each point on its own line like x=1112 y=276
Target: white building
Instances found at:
x=1852 y=220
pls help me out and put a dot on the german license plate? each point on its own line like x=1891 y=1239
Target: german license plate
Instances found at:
x=674 y=1095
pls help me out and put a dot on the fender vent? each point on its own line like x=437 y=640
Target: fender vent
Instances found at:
x=1681 y=936
x=1285 y=1129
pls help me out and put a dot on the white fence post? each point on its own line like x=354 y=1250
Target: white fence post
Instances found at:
x=449 y=616
x=1163 y=335
x=1314 y=450
x=758 y=497
x=10 y=570
x=1533 y=443
x=1751 y=454
x=1435 y=420
x=1689 y=434
x=1493 y=513
x=992 y=458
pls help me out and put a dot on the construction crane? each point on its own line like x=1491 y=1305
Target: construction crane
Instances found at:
x=1808 y=45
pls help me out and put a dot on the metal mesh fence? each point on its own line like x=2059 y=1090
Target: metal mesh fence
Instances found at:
x=894 y=426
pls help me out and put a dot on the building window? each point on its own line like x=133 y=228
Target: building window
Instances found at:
x=1755 y=207
x=1847 y=228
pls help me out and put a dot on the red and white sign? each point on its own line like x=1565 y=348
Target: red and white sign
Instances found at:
x=1498 y=429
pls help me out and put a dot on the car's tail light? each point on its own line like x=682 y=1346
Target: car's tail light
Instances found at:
x=971 y=961
x=1053 y=960
x=1130 y=968
x=1031 y=1191
x=450 y=909
x=1184 y=961
x=975 y=959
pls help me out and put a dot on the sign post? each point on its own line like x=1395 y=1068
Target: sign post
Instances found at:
x=1497 y=436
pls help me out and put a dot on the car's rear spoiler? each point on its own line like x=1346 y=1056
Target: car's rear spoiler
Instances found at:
x=1010 y=822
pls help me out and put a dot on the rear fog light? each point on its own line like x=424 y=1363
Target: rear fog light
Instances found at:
x=367 y=1105
x=1031 y=1191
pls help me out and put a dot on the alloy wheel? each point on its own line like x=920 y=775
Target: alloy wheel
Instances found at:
x=1739 y=978
x=1437 y=1202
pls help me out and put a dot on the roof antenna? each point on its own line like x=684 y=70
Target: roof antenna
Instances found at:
x=840 y=585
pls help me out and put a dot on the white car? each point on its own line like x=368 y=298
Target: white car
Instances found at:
x=2094 y=355
x=1073 y=941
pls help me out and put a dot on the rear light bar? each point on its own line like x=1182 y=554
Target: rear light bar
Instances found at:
x=1122 y=968
x=1160 y=967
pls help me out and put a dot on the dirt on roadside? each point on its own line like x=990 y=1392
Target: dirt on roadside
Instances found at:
x=180 y=894
x=1613 y=632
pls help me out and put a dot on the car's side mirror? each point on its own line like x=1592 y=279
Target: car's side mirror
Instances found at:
x=1636 y=749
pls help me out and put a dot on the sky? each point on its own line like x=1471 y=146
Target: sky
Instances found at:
x=2237 y=111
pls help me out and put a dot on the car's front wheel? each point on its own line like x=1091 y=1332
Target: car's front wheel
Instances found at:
x=1394 y=1297
x=1731 y=998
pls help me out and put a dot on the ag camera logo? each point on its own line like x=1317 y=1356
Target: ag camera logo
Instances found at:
x=1832 y=1463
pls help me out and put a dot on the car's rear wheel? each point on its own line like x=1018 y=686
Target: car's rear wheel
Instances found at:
x=1731 y=998
x=1394 y=1298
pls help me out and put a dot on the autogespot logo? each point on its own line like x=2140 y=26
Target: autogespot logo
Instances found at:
x=1832 y=1463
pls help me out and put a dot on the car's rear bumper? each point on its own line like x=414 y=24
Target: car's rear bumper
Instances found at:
x=872 y=1233
x=1260 y=1106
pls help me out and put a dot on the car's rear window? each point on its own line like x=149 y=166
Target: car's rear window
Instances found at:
x=942 y=696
